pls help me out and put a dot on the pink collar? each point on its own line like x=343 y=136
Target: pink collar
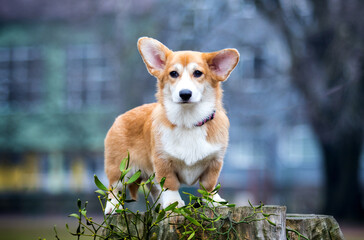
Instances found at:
x=210 y=117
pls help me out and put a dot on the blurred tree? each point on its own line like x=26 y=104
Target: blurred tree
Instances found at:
x=325 y=41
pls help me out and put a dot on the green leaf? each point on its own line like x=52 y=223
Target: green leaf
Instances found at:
x=191 y=236
x=124 y=173
x=177 y=210
x=127 y=163
x=74 y=215
x=123 y=164
x=210 y=229
x=230 y=205
x=99 y=184
x=193 y=221
x=203 y=192
x=260 y=206
x=218 y=218
x=79 y=203
x=156 y=209
x=187 y=211
x=187 y=193
x=187 y=232
x=191 y=196
x=161 y=183
x=83 y=212
x=150 y=178
x=218 y=186
x=171 y=206
x=202 y=186
x=134 y=177
x=100 y=192
x=161 y=215
x=204 y=217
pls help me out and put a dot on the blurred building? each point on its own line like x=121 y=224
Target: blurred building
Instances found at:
x=67 y=69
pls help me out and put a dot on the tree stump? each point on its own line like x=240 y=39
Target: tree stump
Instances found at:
x=261 y=229
x=314 y=227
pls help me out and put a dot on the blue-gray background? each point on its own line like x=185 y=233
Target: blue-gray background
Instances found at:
x=68 y=68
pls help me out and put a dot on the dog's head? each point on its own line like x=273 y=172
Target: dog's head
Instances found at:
x=184 y=75
x=188 y=81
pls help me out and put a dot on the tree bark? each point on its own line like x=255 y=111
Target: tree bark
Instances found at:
x=292 y=226
x=342 y=169
x=327 y=68
x=169 y=228
x=313 y=227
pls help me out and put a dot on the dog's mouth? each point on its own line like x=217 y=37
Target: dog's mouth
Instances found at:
x=188 y=102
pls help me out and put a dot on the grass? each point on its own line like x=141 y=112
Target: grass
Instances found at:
x=32 y=228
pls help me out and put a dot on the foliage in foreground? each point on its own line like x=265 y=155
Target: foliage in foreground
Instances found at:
x=201 y=219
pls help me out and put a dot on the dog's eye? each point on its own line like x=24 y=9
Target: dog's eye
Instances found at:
x=174 y=74
x=197 y=74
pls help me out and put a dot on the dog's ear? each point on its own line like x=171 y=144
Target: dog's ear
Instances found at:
x=154 y=55
x=221 y=63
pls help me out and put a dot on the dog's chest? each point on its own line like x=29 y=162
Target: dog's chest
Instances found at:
x=187 y=145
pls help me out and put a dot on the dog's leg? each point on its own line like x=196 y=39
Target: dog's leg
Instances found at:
x=112 y=203
x=209 y=179
x=133 y=188
x=163 y=168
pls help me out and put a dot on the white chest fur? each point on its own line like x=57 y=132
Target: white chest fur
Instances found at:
x=187 y=144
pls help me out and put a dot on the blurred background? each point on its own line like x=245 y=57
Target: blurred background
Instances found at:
x=295 y=101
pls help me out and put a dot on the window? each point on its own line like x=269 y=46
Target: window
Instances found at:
x=245 y=8
x=89 y=77
x=248 y=153
x=253 y=69
x=298 y=147
x=21 y=83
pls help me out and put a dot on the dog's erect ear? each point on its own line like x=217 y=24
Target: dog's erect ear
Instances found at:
x=154 y=54
x=221 y=63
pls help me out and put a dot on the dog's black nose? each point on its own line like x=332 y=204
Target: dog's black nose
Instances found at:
x=185 y=94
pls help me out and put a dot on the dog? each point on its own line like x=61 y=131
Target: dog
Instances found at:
x=184 y=135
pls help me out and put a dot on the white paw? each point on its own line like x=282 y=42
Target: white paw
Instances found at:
x=111 y=206
x=168 y=197
x=216 y=197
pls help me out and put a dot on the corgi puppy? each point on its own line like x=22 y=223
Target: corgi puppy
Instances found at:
x=184 y=135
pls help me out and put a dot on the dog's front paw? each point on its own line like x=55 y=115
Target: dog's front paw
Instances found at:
x=216 y=197
x=217 y=201
x=169 y=197
x=111 y=205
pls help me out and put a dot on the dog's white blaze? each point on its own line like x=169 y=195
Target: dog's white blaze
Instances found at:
x=186 y=82
x=187 y=144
